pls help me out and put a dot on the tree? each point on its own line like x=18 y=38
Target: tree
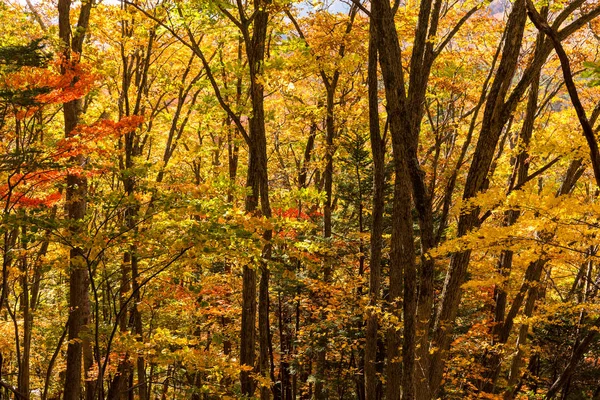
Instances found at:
x=370 y=200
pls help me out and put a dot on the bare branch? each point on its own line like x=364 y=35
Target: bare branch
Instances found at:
x=454 y=30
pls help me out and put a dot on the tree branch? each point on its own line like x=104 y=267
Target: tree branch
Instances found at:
x=195 y=47
x=454 y=30
x=588 y=131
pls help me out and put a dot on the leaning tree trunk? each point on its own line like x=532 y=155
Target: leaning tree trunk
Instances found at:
x=476 y=178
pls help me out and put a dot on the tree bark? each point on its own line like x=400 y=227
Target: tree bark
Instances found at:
x=402 y=258
x=76 y=193
x=259 y=185
x=518 y=178
x=493 y=123
x=27 y=313
x=378 y=150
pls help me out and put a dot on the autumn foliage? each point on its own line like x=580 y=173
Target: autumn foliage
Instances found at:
x=348 y=200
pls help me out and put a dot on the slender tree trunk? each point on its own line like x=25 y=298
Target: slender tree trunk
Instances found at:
x=76 y=193
x=378 y=151
x=285 y=340
x=26 y=310
x=118 y=385
x=576 y=356
x=515 y=366
x=78 y=291
x=321 y=361
x=258 y=183
x=401 y=245
x=248 y=328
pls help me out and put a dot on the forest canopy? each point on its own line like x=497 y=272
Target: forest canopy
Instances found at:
x=348 y=199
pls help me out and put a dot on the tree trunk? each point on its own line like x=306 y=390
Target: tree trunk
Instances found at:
x=257 y=181
x=493 y=123
x=27 y=312
x=518 y=178
x=400 y=377
x=378 y=149
x=320 y=392
x=76 y=193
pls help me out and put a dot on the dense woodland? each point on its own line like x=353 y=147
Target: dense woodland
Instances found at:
x=225 y=199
